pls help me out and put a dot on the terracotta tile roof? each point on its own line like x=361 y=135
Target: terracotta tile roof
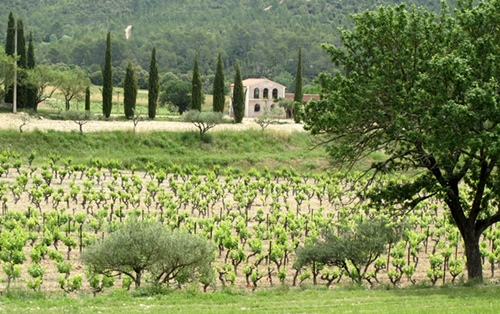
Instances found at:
x=255 y=81
x=306 y=97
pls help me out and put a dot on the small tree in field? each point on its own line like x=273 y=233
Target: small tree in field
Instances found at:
x=352 y=250
x=138 y=248
x=204 y=121
x=269 y=116
x=79 y=117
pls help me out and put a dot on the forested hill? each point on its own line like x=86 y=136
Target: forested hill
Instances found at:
x=264 y=35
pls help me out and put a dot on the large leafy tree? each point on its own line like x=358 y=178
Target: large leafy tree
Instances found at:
x=219 y=91
x=72 y=84
x=45 y=81
x=107 y=80
x=425 y=90
x=153 y=86
x=238 y=96
x=176 y=92
x=196 y=87
x=129 y=91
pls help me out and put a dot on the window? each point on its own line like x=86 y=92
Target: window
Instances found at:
x=256 y=108
x=256 y=93
x=275 y=93
x=265 y=93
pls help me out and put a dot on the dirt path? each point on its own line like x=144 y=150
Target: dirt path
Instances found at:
x=13 y=121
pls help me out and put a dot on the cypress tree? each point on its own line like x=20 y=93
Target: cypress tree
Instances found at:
x=107 y=80
x=196 y=87
x=22 y=64
x=153 y=86
x=9 y=50
x=299 y=95
x=238 y=96
x=129 y=91
x=31 y=91
x=219 y=92
x=87 y=99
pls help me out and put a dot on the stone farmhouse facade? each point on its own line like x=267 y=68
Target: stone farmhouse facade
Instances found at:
x=260 y=93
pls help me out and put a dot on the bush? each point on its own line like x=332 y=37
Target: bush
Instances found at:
x=352 y=249
x=138 y=248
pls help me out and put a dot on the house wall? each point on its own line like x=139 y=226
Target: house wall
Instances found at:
x=251 y=101
x=263 y=103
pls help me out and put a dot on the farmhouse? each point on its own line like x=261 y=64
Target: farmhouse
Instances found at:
x=260 y=94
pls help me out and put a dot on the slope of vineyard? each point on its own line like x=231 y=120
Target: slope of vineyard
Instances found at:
x=255 y=219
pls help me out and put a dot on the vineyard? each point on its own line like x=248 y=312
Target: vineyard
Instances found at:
x=256 y=220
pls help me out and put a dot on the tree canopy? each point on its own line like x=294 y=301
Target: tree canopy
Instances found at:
x=424 y=89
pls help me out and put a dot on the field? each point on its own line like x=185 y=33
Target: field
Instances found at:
x=66 y=198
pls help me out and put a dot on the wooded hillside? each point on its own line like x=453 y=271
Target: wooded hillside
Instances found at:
x=264 y=35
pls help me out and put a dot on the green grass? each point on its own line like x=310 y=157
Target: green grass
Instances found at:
x=238 y=149
x=460 y=299
x=57 y=103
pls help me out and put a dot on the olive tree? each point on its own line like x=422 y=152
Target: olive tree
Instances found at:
x=140 y=247
x=424 y=89
x=353 y=249
x=204 y=121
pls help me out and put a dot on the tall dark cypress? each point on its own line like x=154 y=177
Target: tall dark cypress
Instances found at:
x=153 y=86
x=299 y=95
x=219 y=91
x=129 y=91
x=22 y=64
x=107 y=80
x=87 y=99
x=31 y=89
x=9 y=50
x=196 y=87
x=238 y=96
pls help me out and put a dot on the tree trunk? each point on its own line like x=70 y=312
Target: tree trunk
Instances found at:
x=473 y=254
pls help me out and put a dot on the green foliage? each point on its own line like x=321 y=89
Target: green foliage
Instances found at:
x=269 y=116
x=72 y=83
x=153 y=86
x=238 y=101
x=138 y=248
x=176 y=92
x=422 y=88
x=31 y=89
x=219 y=89
x=204 y=121
x=9 y=51
x=352 y=249
x=107 y=80
x=87 y=98
x=196 y=88
x=298 y=96
x=129 y=91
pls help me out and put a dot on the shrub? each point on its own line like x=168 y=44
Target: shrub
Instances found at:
x=139 y=248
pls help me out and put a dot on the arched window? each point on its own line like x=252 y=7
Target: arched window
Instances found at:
x=275 y=93
x=256 y=108
x=256 y=93
x=265 y=94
